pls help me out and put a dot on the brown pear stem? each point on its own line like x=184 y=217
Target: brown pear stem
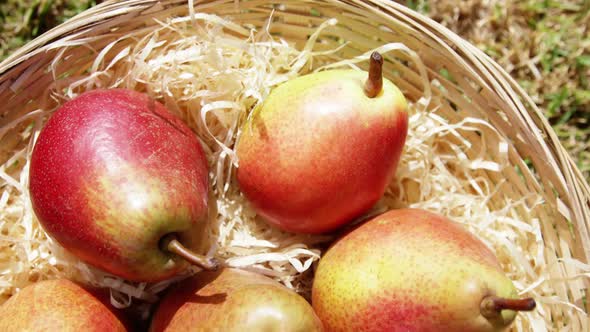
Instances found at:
x=374 y=83
x=172 y=244
x=491 y=306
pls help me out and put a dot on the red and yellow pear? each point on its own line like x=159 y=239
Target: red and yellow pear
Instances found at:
x=120 y=182
x=59 y=305
x=233 y=300
x=412 y=270
x=321 y=149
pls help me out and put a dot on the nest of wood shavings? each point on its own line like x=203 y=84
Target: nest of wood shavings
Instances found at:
x=212 y=72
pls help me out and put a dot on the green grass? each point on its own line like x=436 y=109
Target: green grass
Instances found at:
x=544 y=45
x=23 y=20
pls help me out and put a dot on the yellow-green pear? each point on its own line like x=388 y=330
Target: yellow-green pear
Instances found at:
x=413 y=270
x=233 y=300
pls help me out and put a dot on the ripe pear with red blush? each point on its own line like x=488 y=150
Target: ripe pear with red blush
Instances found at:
x=59 y=305
x=121 y=182
x=413 y=270
x=321 y=149
x=233 y=300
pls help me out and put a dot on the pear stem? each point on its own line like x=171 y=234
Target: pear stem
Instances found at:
x=491 y=306
x=172 y=244
x=374 y=83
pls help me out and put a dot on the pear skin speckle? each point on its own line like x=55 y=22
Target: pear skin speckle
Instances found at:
x=57 y=305
x=408 y=270
x=319 y=152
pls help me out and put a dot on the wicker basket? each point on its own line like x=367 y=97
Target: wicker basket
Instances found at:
x=478 y=89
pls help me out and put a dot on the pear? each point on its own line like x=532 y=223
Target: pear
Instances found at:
x=59 y=305
x=413 y=270
x=121 y=182
x=233 y=300
x=321 y=148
